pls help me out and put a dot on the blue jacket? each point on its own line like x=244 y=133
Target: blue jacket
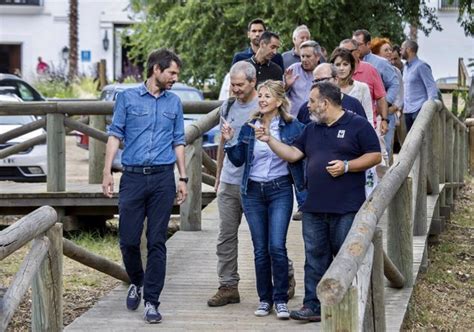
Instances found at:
x=242 y=152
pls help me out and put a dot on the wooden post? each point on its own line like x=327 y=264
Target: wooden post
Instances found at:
x=343 y=316
x=454 y=106
x=47 y=287
x=102 y=74
x=400 y=231
x=441 y=159
x=455 y=158
x=434 y=154
x=96 y=150
x=190 y=210
x=420 y=219
x=470 y=125
x=377 y=281
x=56 y=140
x=462 y=140
x=449 y=154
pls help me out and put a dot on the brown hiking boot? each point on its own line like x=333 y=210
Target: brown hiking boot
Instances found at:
x=224 y=295
x=291 y=287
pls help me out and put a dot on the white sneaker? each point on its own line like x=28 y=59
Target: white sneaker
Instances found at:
x=263 y=309
x=282 y=311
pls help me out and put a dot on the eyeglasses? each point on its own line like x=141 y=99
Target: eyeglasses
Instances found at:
x=316 y=80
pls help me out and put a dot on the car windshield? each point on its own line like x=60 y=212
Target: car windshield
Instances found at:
x=15 y=119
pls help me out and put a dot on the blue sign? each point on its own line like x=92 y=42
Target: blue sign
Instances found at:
x=86 y=56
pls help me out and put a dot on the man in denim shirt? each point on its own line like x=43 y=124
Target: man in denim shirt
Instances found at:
x=149 y=121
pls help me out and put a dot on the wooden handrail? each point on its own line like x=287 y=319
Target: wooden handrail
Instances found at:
x=90 y=107
x=25 y=129
x=339 y=276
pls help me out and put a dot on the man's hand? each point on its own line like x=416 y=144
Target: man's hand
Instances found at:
x=108 y=185
x=182 y=192
x=261 y=133
x=289 y=78
x=335 y=168
x=383 y=127
x=227 y=131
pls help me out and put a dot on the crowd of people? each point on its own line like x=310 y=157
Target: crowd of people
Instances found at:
x=304 y=125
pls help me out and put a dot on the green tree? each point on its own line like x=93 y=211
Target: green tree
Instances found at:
x=206 y=34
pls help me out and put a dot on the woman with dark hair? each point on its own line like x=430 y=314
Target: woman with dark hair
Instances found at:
x=267 y=194
x=345 y=64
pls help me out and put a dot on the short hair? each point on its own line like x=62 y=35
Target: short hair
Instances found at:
x=246 y=68
x=377 y=43
x=163 y=58
x=411 y=44
x=346 y=41
x=331 y=66
x=313 y=44
x=363 y=32
x=267 y=36
x=330 y=91
x=396 y=48
x=256 y=21
x=345 y=55
x=299 y=29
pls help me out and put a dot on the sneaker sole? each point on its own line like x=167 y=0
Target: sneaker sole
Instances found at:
x=306 y=319
x=283 y=317
x=153 y=321
x=223 y=304
x=262 y=314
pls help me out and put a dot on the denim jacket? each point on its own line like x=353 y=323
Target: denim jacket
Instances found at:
x=242 y=152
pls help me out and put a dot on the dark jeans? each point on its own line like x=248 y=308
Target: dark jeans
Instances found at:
x=148 y=196
x=323 y=235
x=267 y=207
x=410 y=119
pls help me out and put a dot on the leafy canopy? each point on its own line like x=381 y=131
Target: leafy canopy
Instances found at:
x=206 y=34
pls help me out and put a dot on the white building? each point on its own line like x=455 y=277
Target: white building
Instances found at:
x=441 y=49
x=39 y=28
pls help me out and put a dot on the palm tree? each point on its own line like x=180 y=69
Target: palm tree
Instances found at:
x=73 y=38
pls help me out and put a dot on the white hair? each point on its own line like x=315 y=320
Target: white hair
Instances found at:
x=299 y=29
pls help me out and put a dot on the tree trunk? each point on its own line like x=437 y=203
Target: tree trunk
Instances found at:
x=73 y=38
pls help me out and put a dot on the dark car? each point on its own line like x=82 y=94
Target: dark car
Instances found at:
x=11 y=84
x=183 y=91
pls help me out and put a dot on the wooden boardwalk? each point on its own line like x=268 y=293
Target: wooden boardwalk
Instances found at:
x=191 y=280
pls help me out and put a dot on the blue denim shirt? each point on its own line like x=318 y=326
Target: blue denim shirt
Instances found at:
x=149 y=126
x=242 y=152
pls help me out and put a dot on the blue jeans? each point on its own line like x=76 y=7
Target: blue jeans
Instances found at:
x=390 y=134
x=267 y=207
x=323 y=235
x=410 y=119
x=150 y=196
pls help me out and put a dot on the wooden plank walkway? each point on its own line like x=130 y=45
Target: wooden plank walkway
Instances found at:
x=191 y=280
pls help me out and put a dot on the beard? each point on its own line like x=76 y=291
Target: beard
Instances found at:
x=317 y=116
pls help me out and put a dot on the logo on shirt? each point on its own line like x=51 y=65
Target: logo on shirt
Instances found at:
x=341 y=133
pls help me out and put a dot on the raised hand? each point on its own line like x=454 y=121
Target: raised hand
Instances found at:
x=289 y=78
x=227 y=131
x=262 y=133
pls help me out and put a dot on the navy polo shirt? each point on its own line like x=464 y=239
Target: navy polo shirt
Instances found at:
x=349 y=138
x=348 y=103
x=248 y=53
x=266 y=71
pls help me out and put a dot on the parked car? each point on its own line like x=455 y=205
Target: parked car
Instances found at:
x=183 y=91
x=20 y=88
x=29 y=165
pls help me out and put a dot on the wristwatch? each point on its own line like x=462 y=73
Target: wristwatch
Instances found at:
x=185 y=180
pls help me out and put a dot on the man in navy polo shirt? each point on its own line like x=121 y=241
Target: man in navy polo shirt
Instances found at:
x=339 y=147
x=149 y=121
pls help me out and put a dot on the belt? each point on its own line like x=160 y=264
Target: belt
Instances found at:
x=148 y=169
x=274 y=181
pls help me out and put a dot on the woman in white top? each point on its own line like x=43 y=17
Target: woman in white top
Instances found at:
x=345 y=64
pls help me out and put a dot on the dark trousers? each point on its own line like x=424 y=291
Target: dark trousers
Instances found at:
x=150 y=196
x=410 y=119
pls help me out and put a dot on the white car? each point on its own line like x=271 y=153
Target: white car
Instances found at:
x=26 y=166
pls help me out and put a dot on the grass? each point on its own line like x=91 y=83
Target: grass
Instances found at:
x=443 y=298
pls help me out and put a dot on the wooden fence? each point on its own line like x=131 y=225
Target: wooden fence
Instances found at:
x=434 y=152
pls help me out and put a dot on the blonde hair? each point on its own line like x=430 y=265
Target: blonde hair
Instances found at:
x=277 y=90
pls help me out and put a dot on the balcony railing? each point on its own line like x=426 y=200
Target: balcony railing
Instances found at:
x=448 y=5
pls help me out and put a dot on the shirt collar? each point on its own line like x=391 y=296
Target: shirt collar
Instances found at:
x=413 y=61
x=260 y=64
x=144 y=91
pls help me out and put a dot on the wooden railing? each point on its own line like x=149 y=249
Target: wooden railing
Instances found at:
x=41 y=269
x=58 y=120
x=434 y=152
